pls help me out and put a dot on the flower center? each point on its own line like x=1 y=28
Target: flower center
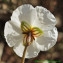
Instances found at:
x=30 y=33
x=28 y=37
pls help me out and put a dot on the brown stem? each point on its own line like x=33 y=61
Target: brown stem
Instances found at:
x=23 y=57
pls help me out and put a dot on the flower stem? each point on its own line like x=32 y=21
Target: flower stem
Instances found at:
x=24 y=52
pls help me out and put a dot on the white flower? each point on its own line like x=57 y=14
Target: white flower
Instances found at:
x=38 y=17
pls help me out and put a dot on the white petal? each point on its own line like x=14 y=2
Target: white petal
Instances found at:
x=45 y=19
x=12 y=33
x=18 y=49
x=24 y=13
x=47 y=41
x=32 y=50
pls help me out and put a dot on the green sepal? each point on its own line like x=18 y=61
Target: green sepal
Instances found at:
x=37 y=31
x=25 y=26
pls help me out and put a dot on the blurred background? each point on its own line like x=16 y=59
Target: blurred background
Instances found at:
x=55 y=54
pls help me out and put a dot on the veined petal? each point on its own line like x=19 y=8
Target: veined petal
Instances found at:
x=47 y=41
x=45 y=19
x=24 y=13
x=32 y=50
x=12 y=33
